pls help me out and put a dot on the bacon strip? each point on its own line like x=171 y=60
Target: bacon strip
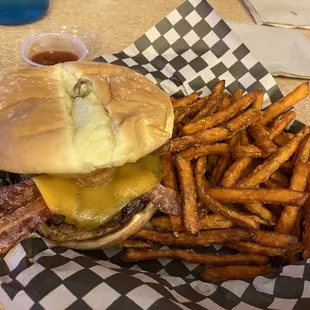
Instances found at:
x=169 y=201
x=21 y=223
x=165 y=199
x=22 y=212
x=15 y=196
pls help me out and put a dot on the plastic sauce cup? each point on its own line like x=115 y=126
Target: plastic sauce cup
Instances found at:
x=52 y=42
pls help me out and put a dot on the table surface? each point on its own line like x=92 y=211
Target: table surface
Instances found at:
x=119 y=23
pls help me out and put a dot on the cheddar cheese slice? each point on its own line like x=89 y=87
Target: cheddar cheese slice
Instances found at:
x=92 y=207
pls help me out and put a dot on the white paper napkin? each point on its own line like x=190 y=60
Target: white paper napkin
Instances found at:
x=283 y=52
x=280 y=13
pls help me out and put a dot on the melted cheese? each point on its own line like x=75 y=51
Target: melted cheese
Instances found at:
x=93 y=207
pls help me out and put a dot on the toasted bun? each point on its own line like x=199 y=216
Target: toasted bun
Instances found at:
x=43 y=129
x=134 y=225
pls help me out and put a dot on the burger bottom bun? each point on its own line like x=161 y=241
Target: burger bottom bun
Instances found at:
x=136 y=223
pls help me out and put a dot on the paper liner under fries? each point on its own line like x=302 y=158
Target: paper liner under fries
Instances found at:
x=188 y=51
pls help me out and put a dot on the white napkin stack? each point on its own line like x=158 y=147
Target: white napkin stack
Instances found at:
x=280 y=13
x=283 y=52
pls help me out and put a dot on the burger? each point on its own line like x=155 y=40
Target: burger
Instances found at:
x=80 y=136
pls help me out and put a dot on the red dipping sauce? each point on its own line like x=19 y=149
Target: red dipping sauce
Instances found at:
x=50 y=58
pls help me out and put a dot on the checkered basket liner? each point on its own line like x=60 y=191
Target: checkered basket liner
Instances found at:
x=189 y=50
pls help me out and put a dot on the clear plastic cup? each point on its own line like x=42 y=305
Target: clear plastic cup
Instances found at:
x=47 y=42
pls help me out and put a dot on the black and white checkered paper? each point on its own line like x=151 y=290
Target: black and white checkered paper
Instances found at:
x=189 y=50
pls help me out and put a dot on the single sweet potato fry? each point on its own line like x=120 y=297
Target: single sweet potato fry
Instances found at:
x=263 y=195
x=272 y=163
x=252 y=151
x=276 y=109
x=289 y=214
x=258 y=102
x=206 y=222
x=279 y=125
x=262 y=139
x=274 y=239
x=204 y=150
x=237 y=95
x=261 y=211
x=226 y=101
x=134 y=255
x=234 y=172
x=185 y=101
x=302 y=155
x=205 y=237
x=233 y=272
x=242 y=121
x=200 y=179
x=135 y=243
x=170 y=180
x=255 y=248
x=189 y=195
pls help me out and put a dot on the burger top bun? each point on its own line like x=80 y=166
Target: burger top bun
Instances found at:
x=78 y=117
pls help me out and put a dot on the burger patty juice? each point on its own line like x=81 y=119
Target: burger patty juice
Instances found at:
x=81 y=134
